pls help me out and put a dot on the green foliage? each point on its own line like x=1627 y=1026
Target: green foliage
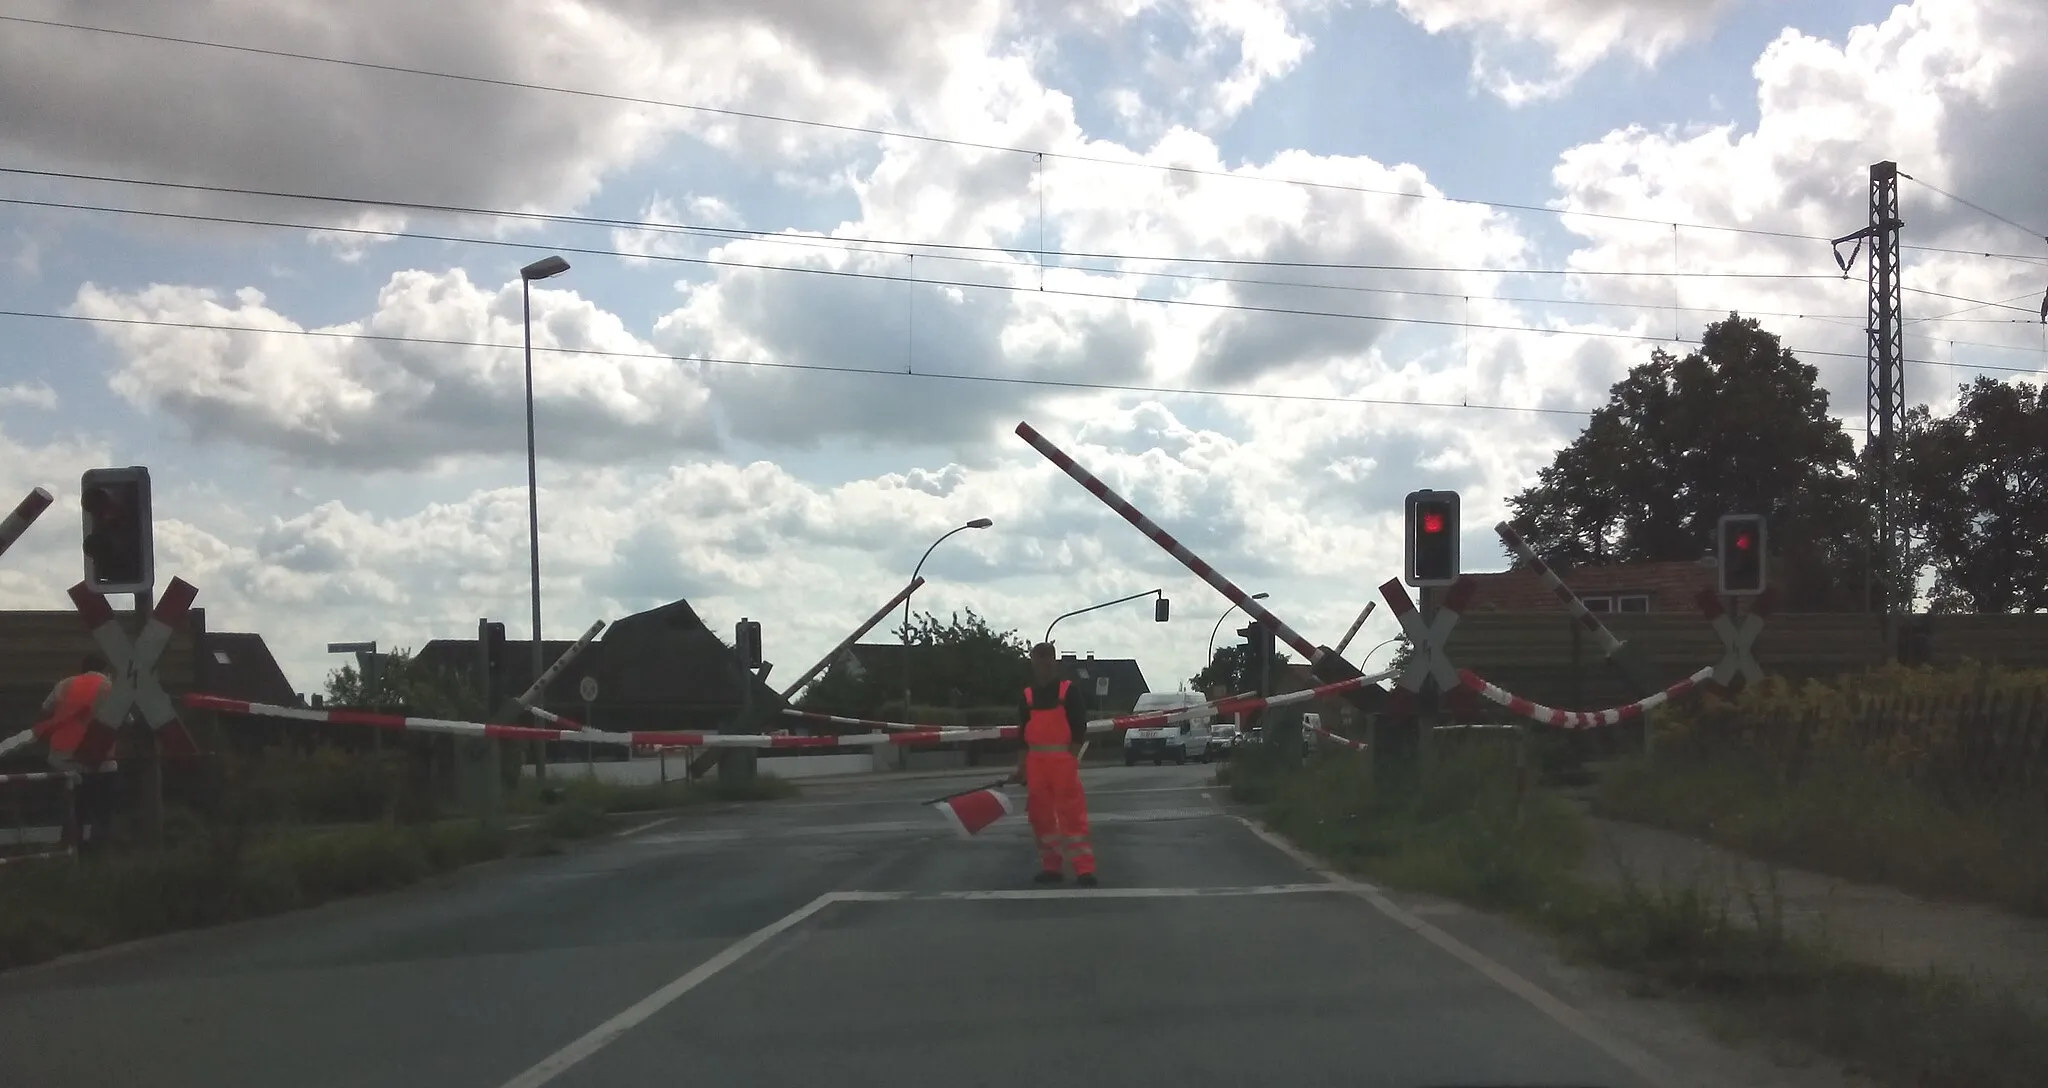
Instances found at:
x=1231 y=669
x=398 y=679
x=1977 y=483
x=961 y=662
x=1740 y=424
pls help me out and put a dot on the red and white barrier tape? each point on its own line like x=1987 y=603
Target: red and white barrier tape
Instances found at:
x=1579 y=719
x=24 y=515
x=1609 y=645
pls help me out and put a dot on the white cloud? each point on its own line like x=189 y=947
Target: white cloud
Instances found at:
x=387 y=403
x=1914 y=89
x=1576 y=34
x=28 y=395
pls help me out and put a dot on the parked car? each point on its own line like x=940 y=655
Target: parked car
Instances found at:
x=1223 y=738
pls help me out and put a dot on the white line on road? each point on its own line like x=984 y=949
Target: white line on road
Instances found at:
x=602 y=1035
x=638 y=828
x=1125 y=893
x=1571 y=1019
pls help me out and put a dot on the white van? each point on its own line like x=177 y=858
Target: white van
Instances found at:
x=1174 y=742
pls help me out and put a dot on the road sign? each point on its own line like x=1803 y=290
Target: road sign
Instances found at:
x=588 y=689
x=1737 y=641
x=1426 y=642
x=1101 y=687
x=135 y=683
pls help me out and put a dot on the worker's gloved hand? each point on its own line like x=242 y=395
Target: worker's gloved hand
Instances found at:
x=1016 y=778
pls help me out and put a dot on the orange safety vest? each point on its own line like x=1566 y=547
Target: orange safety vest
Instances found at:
x=1047 y=727
x=70 y=725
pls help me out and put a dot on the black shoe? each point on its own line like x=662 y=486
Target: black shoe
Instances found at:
x=1086 y=880
x=1048 y=876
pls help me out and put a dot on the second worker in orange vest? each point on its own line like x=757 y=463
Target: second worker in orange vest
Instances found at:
x=1055 y=722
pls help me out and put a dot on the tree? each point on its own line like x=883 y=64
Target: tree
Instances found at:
x=962 y=661
x=1738 y=425
x=1231 y=669
x=405 y=681
x=1976 y=485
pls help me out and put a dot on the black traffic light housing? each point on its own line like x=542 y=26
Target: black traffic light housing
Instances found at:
x=746 y=642
x=120 y=537
x=1431 y=538
x=1740 y=554
x=1160 y=610
x=1258 y=648
x=493 y=635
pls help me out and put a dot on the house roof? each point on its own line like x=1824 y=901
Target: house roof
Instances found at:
x=1126 y=679
x=1671 y=586
x=664 y=656
x=241 y=666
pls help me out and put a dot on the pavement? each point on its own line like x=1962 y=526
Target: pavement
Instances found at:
x=848 y=938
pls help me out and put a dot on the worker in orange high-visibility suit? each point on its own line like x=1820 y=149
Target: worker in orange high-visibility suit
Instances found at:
x=1055 y=722
x=79 y=743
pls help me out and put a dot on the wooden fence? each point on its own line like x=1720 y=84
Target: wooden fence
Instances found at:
x=1549 y=658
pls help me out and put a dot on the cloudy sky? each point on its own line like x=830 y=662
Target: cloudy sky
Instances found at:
x=1266 y=265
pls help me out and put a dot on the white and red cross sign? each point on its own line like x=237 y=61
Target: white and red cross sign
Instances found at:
x=135 y=684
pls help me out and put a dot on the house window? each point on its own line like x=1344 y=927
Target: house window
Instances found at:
x=1598 y=604
x=1634 y=602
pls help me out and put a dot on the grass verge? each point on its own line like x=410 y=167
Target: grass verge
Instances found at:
x=210 y=875
x=1460 y=833
x=1844 y=817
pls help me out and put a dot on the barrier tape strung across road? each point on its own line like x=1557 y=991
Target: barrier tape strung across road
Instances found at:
x=1579 y=719
x=1609 y=645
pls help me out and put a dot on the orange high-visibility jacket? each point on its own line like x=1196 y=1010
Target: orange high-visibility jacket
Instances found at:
x=70 y=725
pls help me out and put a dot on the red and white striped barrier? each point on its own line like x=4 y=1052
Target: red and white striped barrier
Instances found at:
x=1609 y=645
x=1345 y=742
x=395 y=722
x=1579 y=719
x=36 y=776
x=1235 y=704
x=25 y=514
x=1352 y=633
x=1308 y=650
x=547 y=676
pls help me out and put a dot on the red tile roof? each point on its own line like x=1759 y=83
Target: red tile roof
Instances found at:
x=1669 y=586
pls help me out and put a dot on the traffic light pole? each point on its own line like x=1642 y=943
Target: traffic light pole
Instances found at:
x=151 y=780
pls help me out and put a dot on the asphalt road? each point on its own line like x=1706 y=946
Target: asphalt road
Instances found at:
x=844 y=938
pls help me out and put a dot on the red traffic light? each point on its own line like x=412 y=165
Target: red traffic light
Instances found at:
x=1433 y=521
x=1742 y=542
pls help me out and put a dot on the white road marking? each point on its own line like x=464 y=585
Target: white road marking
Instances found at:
x=1124 y=893
x=1572 y=1020
x=638 y=828
x=599 y=1037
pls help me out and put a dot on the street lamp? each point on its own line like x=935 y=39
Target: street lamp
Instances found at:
x=538 y=270
x=1219 y=626
x=977 y=523
x=1158 y=610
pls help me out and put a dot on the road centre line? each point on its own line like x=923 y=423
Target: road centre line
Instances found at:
x=1571 y=1019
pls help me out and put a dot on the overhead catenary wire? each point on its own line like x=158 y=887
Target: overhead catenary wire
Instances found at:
x=844 y=273
x=913 y=280
x=998 y=379
x=1039 y=154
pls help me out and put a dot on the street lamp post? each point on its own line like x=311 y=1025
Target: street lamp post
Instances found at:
x=538 y=270
x=1207 y=661
x=977 y=523
x=1158 y=611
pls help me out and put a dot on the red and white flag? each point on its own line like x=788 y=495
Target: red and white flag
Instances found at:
x=972 y=810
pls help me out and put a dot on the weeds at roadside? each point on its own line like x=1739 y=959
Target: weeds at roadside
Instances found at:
x=1460 y=834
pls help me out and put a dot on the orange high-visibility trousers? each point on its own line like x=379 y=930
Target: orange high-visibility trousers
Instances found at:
x=1058 y=811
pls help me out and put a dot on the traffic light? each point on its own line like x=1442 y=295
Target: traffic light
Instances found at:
x=120 y=548
x=493 y=635
x=1258 y=653
x=746 y=643
x=1159 y=610
x=1432 y=538
x=1740 y=553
